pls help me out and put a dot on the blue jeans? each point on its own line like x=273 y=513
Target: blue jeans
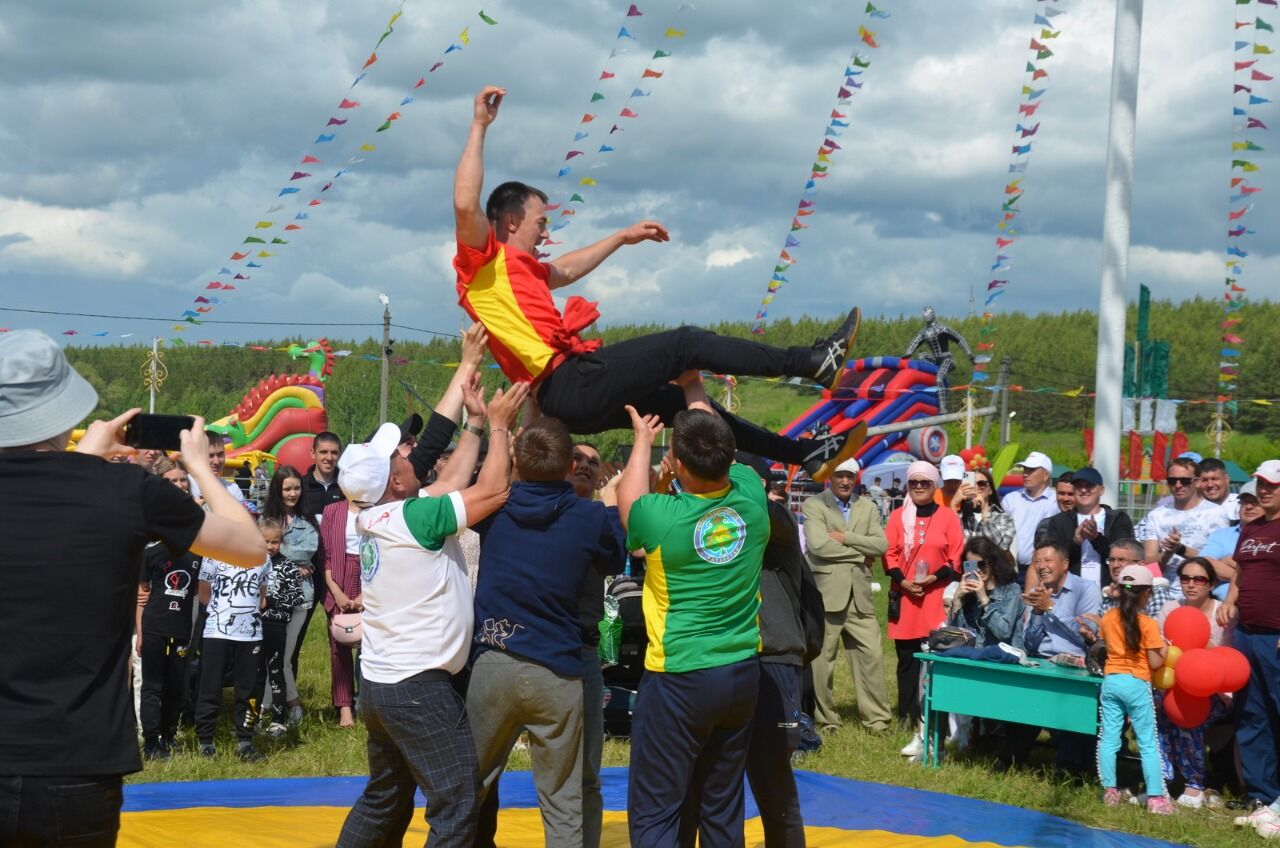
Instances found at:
x=38 y=811
x=1258 y=714
x=419 y=737
x=1124 y=695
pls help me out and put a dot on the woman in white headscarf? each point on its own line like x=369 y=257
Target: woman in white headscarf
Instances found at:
x=926 y=542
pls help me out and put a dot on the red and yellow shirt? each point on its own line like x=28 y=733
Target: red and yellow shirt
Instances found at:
x=508 y=291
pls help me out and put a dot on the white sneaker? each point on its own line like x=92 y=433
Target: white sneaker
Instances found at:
x=1194 y=802
x=1257 y=817
x=1268 y=829
x=914 y=748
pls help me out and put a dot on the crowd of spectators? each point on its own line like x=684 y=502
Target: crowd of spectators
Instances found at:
x=747 y=607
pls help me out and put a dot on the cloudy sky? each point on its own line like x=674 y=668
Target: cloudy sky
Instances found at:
x=143 y=139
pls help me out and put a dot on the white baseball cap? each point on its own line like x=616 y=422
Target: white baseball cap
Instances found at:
x=951 y=467
x=1035 y=459
x=850 y=465
x=365 y=468
x=1269 y=471
x=1250 y=489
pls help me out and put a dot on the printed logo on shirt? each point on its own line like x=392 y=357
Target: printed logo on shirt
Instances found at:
x=719 y=536
x=369 y=559
x=1253 y=547
x=177 y=583
x=495 y=633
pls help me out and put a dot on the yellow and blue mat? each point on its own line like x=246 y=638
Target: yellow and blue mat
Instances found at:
x=308 y=812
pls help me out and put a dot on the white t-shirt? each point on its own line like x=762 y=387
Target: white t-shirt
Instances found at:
x=1091 y=564
x=1193 y=524
x=234 y=598
x=353 y=534
x=418 y=605
x=232 y=489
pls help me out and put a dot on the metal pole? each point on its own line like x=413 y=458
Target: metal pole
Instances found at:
x=155 y=347
x=968 y=419
x=386 y=362
x=1217 y=433
x=1115 y=241
x=1006 y=369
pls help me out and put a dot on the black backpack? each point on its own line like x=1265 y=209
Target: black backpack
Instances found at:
x=635 y=639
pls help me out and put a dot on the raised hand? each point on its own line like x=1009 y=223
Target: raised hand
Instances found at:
x=473 y=400
x=106 y=438
x=644 y=231
x=505 y=406
x=644 y=427
x=474 y=339
x=487 y=103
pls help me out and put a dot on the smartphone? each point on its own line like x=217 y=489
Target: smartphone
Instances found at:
x=970 y=567
x=971 y=478
x=157 y=432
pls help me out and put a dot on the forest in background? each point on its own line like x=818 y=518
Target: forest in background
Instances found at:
x=1048 y=351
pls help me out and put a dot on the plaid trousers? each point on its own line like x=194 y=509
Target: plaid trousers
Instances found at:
x=419 y=737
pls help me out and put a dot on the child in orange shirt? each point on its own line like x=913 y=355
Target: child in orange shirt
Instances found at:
x=1134 y=649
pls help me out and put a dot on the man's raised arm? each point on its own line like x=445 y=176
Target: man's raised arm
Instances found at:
x=576 y=264
x=468 y=212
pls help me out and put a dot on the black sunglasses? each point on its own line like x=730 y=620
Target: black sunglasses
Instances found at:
x=1180 y=481
x=982 y=483
x=919 y=484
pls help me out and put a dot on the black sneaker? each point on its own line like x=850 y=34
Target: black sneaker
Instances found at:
x=832 y=353
x=155 y=751
x=826 y=452
x=207 y=750
x=247 y=753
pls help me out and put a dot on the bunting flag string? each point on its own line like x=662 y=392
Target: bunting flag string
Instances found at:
x=279 y=223
x=1026 y=130
x=1247 y=97
x=838 y=121
x=592 y=142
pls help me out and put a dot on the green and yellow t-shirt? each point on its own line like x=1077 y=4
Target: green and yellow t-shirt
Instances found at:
x=702 y=582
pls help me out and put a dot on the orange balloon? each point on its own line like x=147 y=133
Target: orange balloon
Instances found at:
x=1171 y=659
x=1163 y=677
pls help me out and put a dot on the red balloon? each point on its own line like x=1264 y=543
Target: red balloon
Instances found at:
x=1199 y=673
x=1186 y=711
x=1188 y=628
x=1235 y=669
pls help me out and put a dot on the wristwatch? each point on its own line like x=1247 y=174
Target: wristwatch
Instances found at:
x=474 y=430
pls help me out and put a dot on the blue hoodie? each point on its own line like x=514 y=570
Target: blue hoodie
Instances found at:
x=535 y=553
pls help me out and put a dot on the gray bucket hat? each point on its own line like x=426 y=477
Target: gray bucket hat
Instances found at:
x=41 y=395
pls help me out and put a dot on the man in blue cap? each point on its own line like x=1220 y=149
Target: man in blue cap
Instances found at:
x=1088 y=530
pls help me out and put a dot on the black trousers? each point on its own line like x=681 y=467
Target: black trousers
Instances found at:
x=302 y=634
x=688 y=752
x=164 y=668
x=243 y=657
x=775 y=735
x=271 y=675
x=40 y=811
x=908 y=680
x=588 y=392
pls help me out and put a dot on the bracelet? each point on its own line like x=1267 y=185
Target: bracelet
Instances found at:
x=475 y=431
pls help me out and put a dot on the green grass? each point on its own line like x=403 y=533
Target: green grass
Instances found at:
x=319 y=748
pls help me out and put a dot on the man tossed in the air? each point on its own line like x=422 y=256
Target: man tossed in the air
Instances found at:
x=502 y=284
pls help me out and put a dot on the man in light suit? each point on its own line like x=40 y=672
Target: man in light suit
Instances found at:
x=844 y=537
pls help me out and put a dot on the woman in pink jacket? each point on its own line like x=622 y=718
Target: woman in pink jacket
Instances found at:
x=926 y=543
x=341 y=545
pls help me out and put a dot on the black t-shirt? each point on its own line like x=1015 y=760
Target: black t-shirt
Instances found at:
x=74 y=528
x=172 y=581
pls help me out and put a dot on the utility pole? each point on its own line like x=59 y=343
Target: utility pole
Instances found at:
x=1115 y=241
x=386 y=357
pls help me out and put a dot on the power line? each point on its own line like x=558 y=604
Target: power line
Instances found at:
x=216 y=321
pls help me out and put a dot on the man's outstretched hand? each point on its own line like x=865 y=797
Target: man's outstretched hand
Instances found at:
x=487 y=103
x=644 y=231
x=644 y=427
